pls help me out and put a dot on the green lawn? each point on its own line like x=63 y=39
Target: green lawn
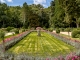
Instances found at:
x=42 y=46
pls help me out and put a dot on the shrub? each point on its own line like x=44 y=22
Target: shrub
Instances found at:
x=78 y=35
x=17 y=31
x=13 y=30
x=50 y=29
x=78 y=28
x=62 y=29
x=68 y=29
x=75 y=33
x=58 y=31
x=2 y=34
x=23 y=30
x=9 y=28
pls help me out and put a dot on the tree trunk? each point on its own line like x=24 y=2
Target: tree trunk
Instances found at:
x=77 y=25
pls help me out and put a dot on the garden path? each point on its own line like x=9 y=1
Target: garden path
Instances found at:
x=65 y=33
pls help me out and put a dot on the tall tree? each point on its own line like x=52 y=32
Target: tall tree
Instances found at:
x=44 y=18
x=3 y=14
x=58 y=17
x=24 y=12
x=72 y=10
x=52 y=8
x=34 y=20
x=14 y=14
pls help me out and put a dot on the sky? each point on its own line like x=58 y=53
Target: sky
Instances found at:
x=45 y=3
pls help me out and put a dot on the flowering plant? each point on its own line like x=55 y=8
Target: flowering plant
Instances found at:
x=13 y=40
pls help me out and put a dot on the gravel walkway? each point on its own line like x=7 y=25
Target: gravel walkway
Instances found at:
x=65 y=33
x=10 y=33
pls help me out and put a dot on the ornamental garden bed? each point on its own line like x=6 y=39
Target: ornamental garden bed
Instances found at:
x=44 y=45
x=10 y=42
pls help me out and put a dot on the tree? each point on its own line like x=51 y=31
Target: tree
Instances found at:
x=52 y=8
x=72 y=10
x=58 y=15
x=26 y=11
x=34 y=20
x=3 y=14
x=44 y=19
x=14 y=14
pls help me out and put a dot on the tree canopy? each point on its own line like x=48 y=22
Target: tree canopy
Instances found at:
x=60 y=14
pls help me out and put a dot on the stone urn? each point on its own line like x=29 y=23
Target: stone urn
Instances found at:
x=38 y=31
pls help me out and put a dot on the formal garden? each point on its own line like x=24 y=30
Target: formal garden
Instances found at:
x=33 y=32
x=27 y=44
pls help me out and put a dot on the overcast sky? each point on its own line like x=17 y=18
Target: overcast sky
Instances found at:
x=45 y=3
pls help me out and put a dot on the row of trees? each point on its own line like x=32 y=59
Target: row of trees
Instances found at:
x=9 y=16
x=65 y=13
x=25 y=16
x=61 y=13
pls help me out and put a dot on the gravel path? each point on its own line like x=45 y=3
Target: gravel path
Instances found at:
x=10 y=33
x=65 y=33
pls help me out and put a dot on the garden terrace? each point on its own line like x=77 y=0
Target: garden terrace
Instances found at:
x=9 y=42
x=46 y=45
x=67 y=40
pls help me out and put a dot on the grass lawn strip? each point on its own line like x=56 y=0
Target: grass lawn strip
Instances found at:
x=44 y=45
x=54 y=48
x=59 y=44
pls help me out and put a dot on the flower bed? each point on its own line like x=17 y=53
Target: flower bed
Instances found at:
x=9 y=42
x=75 y=43
x=24 y=56
x=12 y=41
x=45 y=45
x=67 y=40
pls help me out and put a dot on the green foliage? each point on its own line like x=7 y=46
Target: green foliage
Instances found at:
x=25 y=16
x=9 y=28
x=23 y=30
x=9 y=16
x=48 y=42
x=2 y=34
x=50 y=29
x=62 y=29
x=77 y=36
x=68 y=29
x=26 y=13
x=57 y=30
x=75 y=33
x=65 y=13
x=58 y=15
x=34 y=21
x=17 y=31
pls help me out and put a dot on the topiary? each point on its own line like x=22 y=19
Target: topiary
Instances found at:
x=58 y=31
x=75 y=33
x=9 y=28
x=17 y=31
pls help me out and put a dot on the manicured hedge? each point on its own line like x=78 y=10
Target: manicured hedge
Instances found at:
x=76 y=33
x=58 y=31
